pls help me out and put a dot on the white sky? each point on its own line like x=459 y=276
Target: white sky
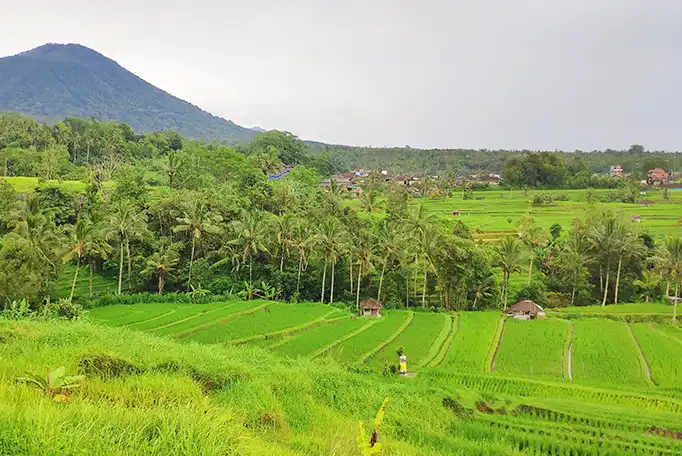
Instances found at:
x=538 y=74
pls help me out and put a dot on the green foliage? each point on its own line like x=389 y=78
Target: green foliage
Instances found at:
x=535 y=291
x=56 y=383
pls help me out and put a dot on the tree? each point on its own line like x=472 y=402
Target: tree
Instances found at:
x=371 y=201
x=79 y=237
x=575 y=255
x=251 y=235
x=197 y=220
x=52 y=160
x=23 y=272
x=629 y=245
x=162 y=262
x=509 y=257
x=390 y=240
x=669 y=260
x=301 y=240
x=605 y=237
x=329 y=238
x=364 y=256
x=128 y=223
x=533 y=236
x=284 y=229
x=430 y=247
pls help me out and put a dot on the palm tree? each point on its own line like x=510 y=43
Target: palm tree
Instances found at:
x=430 y=247
x=29 y=220
x=390 y=239
x=128 y=223
x=285 y=230
x=669 y=260
x=162 y=263
x=330 y=237
x=533 y=236
x=364 y=255
x=509 y=258
x=575 y=256
x=648 y=285
x=172 y=165
x=483 y=288
x=252 y=233
x=80 y=236
x=196 y=221
x=629 y=245
x=301 y=239
x=371 y=201
x=415 y=226
x=605 y=237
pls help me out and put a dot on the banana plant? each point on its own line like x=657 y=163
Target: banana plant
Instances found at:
x=55 y=383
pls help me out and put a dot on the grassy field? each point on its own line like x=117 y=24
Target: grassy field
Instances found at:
x=532 y=349
x=496 y=213
x=151 y=395
x=473 y=341
x=662 y=354
x=604 y=351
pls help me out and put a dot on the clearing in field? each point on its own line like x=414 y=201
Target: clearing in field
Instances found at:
x=604 y=352
x=417 y=340
x=532 y=348
x=471 y=345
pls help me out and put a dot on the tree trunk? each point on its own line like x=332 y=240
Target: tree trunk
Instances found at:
x=415 y=278
x=667 y=288
x=475 y=300
x=300 y=268
x=426 y=272
x=381 y=278
x=281 y=263
x=615 y=293
x=675 y=306
x=407 y=291
x=162 y=280
x=75 y=278
x=530 y=271
x=350 y=268
x=120 y=269
x=250 y=277
x=191 y=262
x=601 y=279
x=606 y=283
x=357 y=288
x=129 y=262
x=92 y=267
x=324 y=279
x=505 y=286
x=331 y=290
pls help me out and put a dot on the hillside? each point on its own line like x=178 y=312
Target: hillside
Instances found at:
x=55 y=81
x=145 y=394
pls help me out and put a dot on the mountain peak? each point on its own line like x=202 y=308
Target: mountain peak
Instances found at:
x=54 y=81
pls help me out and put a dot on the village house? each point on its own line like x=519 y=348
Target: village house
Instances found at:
x=371 y=307
x=617 y=171
x=526 y=310
x=657 y=176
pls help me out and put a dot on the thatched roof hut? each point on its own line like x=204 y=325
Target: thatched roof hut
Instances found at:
x=526 y=310
x=371 y=307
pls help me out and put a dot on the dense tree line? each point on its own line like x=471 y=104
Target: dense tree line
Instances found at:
x=573 y=169
x=164 y=214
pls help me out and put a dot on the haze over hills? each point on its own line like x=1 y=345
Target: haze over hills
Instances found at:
x=55 y=81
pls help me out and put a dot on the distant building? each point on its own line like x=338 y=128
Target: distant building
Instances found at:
x=617 y=171
x=526 y=310
x=371 y=308
x=657 y=176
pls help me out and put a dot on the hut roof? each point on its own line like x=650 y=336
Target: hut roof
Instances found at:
x=371 y=304
x=526 y=306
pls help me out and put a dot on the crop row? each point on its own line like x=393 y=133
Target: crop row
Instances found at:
x=470 y=346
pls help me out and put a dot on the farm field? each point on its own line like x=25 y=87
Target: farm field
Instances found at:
x=227 y=399
x=639 y=308
x=309 y=342
x=605 y=352
x=474 y=342
x=495 y=213
x=662 y=354
x=532 y=349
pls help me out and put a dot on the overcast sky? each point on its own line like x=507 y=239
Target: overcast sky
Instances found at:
x=538 y=74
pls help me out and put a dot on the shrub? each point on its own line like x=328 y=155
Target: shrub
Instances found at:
x=536 y=292
x=105 y=366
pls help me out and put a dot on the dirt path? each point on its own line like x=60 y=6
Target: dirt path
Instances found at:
x=497 y=348
x=568 y=352
x=445 y=347
x=641 y=356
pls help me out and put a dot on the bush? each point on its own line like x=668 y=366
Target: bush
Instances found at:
x=152 y=298
x=536 y=292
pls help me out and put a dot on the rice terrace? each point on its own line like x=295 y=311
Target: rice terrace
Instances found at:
x=175 y=284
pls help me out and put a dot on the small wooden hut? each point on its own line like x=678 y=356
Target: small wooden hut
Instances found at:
x=371 y=307
x=527 y=310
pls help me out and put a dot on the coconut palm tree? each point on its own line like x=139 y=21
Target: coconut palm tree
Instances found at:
x=330 y=238
x=509 y=257
x=605 y=237
x=390 y=240
x=252 y=235
x=301 y=240
x=79 y=236
x=669 y=260
x=364 y=256
x=371 y=201
x=648 y=285
x=533 y=236
x=284 y=228
x=629 y=245
x=162 y=263
x=574 y=256
x=197 y=220
x=128 y=223
x=430 y=248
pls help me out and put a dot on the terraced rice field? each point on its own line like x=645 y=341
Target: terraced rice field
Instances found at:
x=357 y=348
x=315 y=339
x=532 y=349
x=417 y=341
x=604 y=352
x=662 y=352
x=474 y=342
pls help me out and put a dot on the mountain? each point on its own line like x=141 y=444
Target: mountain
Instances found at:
x=55 y=81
